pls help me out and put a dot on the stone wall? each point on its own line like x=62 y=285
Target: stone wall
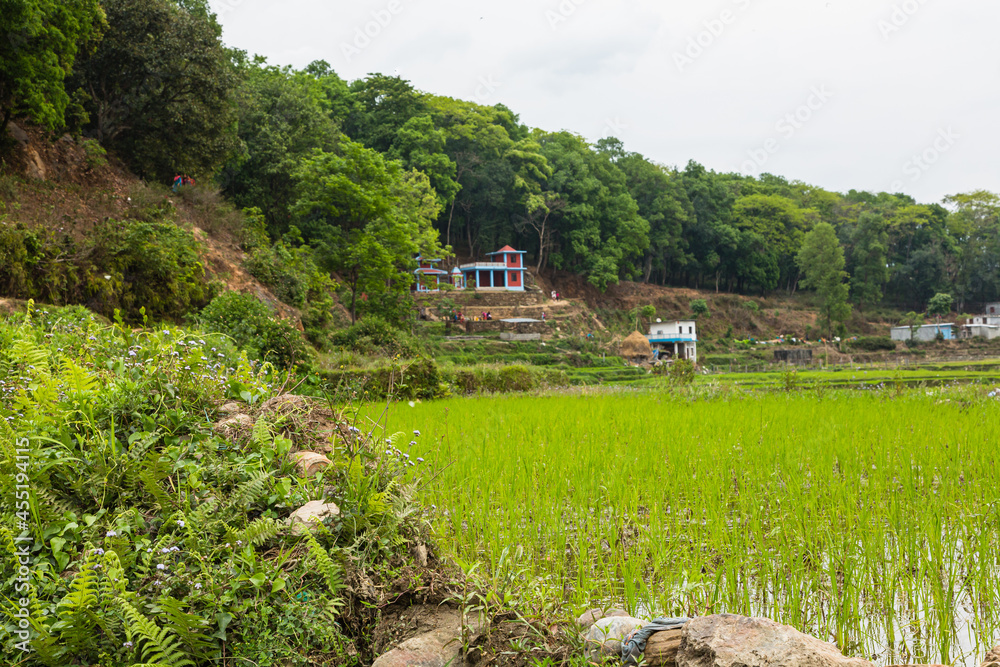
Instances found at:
x=478 y=301
x=509 y=327
x=799 y=357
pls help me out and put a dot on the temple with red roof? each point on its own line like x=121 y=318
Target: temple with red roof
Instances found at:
x=503 y=273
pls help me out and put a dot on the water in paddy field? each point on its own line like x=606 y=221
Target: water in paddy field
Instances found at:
x=867 y=519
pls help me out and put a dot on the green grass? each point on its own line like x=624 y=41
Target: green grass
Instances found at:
x=865 y=518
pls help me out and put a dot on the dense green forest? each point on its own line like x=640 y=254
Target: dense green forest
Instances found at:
x=367 y=173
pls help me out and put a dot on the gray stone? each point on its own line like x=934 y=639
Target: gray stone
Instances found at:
x=419 y=553
x=606 y=635
x=738 y=641
x=436 y=640
x=230 y=408
x=17 y=134
x=310 y=515
x=438 y=648
x=591 y=616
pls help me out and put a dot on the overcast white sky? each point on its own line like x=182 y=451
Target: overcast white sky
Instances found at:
x=904 y=94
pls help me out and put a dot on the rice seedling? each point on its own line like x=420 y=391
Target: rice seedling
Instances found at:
x=865 y=518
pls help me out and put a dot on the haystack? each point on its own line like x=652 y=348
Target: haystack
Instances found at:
x=636 y=349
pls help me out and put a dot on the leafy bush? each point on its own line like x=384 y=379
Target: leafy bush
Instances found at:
x=417 y=379
x=120 y=265
x=252 y=327
x=752 y=306
x=699 y=307
x=681 y=372
x=505 y=379
x=873 y=343
x=375 y=336
x=294 y=277
x=95 y=155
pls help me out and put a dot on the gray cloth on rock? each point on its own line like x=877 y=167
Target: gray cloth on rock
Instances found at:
x=634 y=645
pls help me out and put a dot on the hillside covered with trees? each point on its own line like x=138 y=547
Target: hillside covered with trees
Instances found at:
x=358 y=177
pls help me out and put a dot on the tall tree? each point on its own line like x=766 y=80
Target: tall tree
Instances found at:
x=384 y=104
x=367 y=219
x=822 y=261
x=869 y=246
x=161 y=88
x=601 y=232
x=39 y=42
x=975 y=226
x=283 y=118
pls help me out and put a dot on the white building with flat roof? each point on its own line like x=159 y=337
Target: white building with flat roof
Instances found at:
x=675 y=340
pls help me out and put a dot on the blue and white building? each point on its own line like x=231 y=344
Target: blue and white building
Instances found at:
x=504 y=272
x=674 y=340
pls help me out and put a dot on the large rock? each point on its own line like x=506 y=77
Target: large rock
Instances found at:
x=992 y=658
x=435 y=638
x=310 y=515
x=17 y=134
x=438 y=648
x=591 y=616
x=606 y=635
x=738 y=641
x=661 y=648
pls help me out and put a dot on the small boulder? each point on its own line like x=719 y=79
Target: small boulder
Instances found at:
x=17 y=134
x=992 y=658
x=310 y=515
x=419 y=553
x=309 y=463
x=235 y=428
x=737 y=641
x=439 y=648
x=606 y=635
x=231 y=408
x=36 y=167
x=661 y=648
x=591 y=616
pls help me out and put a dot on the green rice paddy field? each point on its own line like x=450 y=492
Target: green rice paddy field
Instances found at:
x=871 y=519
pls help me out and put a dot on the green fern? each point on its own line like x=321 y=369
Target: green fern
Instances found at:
x=151 y=475
x=257 y=532
x=157 y=645
x=262 y=436
x=77 y=611
x=332 y=573
x=252 y=490
x=189 y=628
x=138 y=449
x=77 y=381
